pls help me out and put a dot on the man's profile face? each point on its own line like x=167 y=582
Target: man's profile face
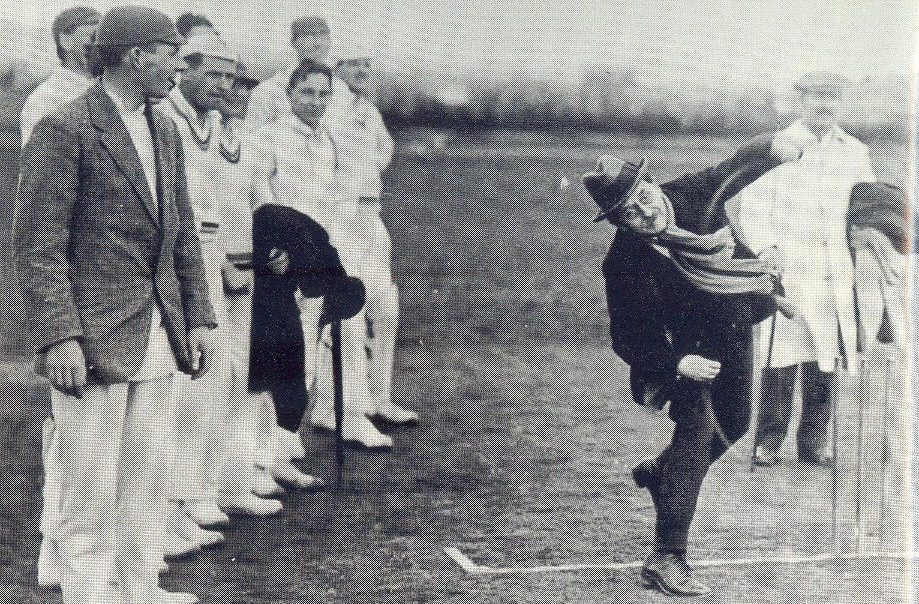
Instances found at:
x=76 y=43
x=158 y=67
x=308 y=98
x=314 y=47
x=647 y=211
x=206 y=85
x=820 y=108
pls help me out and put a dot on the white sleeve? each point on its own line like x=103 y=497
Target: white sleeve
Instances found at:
x=32 y=113
x=261 y=110
x=264 y=167
x=385 y=144
x=755 y=227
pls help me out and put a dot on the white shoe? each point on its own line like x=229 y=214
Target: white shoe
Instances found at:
x=185 y=528
x=164 y=568
x=176 y=546
x=251 y=505
x=292 y=444
x=395 y=414
x=359 y=429
x=264 y=485
x=205 y=512
x=289 y=474
x=323 y=418
x=205 y=538
x=169 y=597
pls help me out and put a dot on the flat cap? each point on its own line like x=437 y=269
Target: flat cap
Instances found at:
x=136 y=26
x=306 y=26
x=822 y=81
x=208 y=45
x=72 y=18
x=246 y=76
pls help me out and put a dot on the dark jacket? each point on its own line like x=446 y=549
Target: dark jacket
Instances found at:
x=656 y=316
x=93 y=249
x=315 y=268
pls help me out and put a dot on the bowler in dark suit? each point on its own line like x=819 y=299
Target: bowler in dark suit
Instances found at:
x=110 y=266
x=682 y=300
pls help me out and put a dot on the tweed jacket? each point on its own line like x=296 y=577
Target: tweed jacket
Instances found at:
x=94 y=251
x=656 y=316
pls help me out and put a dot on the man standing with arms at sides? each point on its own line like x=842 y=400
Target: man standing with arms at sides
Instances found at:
x=201 y=405
x=358 y=126
x=245 y=467
x=311 y=39
x=797 y=216
x=109 y=263
x=72 y=30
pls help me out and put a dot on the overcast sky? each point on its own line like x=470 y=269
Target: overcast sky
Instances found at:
x=740 y=41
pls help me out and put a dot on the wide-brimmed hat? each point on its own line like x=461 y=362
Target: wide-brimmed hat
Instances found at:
x=613 y=182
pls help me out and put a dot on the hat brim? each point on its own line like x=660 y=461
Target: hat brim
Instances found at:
x=640 y=174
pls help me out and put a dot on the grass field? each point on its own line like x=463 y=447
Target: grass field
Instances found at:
x=527 y=431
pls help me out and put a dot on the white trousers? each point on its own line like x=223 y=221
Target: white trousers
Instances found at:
x=114 y=457
x=382 y=315
x=244 y=409
x=201 y=418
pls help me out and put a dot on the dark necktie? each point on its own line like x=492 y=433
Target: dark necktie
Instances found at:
x=148 y=113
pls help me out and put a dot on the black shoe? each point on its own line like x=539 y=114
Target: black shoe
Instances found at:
x=669 y=573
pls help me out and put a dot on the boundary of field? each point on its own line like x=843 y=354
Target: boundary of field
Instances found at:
x=472 y=568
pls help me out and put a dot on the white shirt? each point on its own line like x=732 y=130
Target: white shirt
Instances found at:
x=297 y=167
x=235 y=179
x=202 y=160
x=366 y=144
x=136 y=124
x=61 y=87
x=269 y=101
x=159 y=360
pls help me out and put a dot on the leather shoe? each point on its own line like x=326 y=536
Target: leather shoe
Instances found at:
x=290 y=475
x=669 y=573
x=205 y=512
x=264 y=485
x=766 y=458
x=395 y=414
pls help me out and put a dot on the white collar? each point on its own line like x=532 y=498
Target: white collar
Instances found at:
x=835 y=133
x=302 y=127
x=119 y=103
x=72 y=77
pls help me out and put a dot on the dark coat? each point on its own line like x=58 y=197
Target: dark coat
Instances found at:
x=656 y=316
x=94 y=250
x=277 y=350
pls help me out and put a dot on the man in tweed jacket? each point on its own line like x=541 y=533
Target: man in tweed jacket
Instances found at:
x=110 y=266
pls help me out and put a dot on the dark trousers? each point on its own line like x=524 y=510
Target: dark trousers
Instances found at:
x=709 y=419
x=776 y=403
x=277 y=354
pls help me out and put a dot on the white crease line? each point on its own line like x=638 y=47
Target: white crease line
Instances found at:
x=472 y=568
